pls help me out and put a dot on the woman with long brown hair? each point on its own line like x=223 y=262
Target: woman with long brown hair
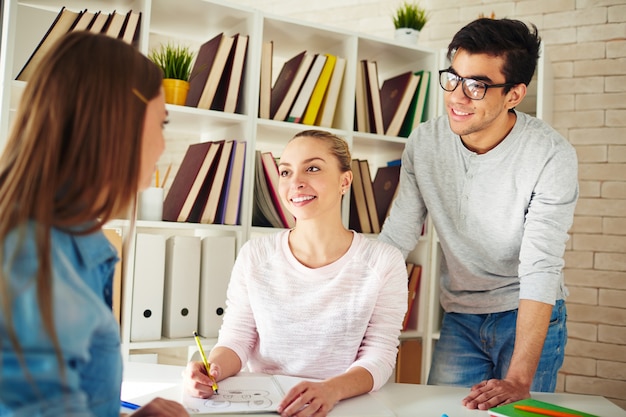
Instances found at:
x=84 y=141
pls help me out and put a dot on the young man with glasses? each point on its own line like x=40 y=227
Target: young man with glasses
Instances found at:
x=500 y=187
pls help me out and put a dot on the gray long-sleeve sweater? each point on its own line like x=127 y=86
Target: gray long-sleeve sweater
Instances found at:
x=502 y=217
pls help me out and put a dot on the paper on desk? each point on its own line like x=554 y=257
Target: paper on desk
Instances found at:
x=258 y=393
x=239 y=394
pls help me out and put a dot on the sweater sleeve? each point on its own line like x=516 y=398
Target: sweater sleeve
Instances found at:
x=550 y=215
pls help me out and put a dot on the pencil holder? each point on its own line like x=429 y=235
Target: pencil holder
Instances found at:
x=151 y=204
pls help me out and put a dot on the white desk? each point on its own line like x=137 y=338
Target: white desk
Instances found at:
x=145 y=381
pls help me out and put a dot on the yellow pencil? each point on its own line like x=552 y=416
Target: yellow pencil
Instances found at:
x=157 y=178
x=207 y=365
x=167 y=174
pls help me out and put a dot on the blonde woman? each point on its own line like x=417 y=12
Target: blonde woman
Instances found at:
x=317 y=301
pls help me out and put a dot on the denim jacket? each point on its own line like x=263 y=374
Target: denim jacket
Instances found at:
x=88 y=333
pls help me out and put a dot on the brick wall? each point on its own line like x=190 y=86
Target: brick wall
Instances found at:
x=586 y=41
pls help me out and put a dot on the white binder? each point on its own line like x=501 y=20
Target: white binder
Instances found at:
x=147 y=305
x=218 y=258
x=182 y=285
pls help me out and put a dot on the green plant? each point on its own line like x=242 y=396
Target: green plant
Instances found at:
x=410 y=15
x=174 y=60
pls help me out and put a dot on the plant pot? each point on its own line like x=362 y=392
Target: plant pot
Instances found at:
x=175 y=91
x=406 y=35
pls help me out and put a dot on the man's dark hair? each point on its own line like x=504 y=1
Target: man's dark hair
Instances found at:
x=511 y=39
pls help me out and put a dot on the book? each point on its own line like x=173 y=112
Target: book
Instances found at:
x=84 y=21
x=304 y=95
x=373 y=96
x=206 y=178
x=359 y=217
x=385 y=185
x=215 y=73
x=130 y=33
x=417 y=107
x=326 y=115
x=184 y=180
x=283 y=81
x=396 y=95
x=265 y=85
x=235 y=82
x=264 y=213
x=362 y=115
x=271 y=173
x=368 y=190
x=290 y=95
x=413 y=286
x=217 y=184
x=409 y=362
x=99 y=22
x=201 y=67
x=234 y=185
x=115 y=24
x=424 y=87
x=62 y=24
x=546 y=409
x=319 y=91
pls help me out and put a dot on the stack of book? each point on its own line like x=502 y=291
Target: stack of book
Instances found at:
x=269 y=209
x=306 y=89
x=370 y=201
x=396 y=107
x=207 y=187
x=218 y=72
x=124 y=26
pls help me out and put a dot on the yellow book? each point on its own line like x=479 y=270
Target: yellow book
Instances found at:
x=319 y=91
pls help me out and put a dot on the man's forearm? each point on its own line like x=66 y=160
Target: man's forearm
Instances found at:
x=533 y=319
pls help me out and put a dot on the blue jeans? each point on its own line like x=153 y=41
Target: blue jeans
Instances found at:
x=477 y=347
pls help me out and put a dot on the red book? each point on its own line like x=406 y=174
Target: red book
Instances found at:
x=184 y=180
x=414 y=282
x=283 y=82
x=271 y=173
x=396 y=94
x=200 y=70
x=385 y=184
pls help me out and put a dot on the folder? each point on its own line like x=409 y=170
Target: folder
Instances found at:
x=147 y=305
x=218 y=258
x=182 y=283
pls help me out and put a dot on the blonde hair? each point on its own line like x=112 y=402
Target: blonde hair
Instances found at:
x=72 y=157
x=338 y=146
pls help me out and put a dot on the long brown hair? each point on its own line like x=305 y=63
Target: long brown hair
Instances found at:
x=72 y=157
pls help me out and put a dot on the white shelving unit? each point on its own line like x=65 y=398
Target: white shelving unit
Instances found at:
x=193 y=22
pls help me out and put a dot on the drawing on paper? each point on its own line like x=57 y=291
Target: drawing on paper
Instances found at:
x=253 y=399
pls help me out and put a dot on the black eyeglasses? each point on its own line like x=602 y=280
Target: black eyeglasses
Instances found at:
x=473 y=89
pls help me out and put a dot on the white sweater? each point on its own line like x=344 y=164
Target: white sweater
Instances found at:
x=285 y=318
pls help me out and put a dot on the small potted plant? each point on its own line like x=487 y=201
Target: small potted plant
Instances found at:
x=175 y=62
x=408 y=20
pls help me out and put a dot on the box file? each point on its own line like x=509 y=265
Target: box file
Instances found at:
x=218 y=258
x=182 y=285
x=147 y=306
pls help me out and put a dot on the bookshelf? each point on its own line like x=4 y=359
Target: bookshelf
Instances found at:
x=193 y=22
